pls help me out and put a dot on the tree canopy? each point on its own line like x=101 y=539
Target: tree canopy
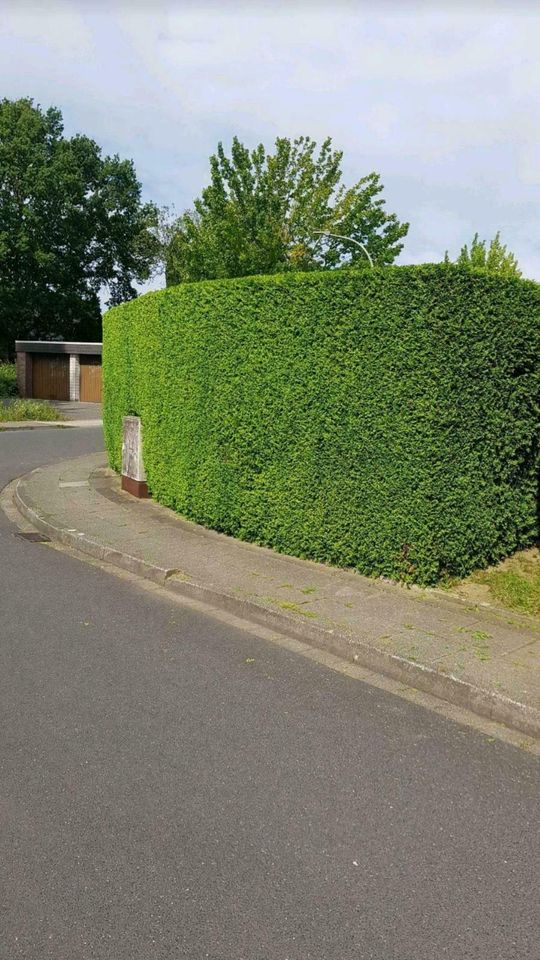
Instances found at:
x=71 y=223
x=261 y=213
x=494 y=259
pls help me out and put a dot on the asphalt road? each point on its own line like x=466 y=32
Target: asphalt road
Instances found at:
x=161 y=797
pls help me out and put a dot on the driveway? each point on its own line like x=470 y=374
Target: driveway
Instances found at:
x=77 y=410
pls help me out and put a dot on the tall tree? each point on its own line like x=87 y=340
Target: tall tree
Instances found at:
x=494 y=259
x=263 y=213
x=71 y=223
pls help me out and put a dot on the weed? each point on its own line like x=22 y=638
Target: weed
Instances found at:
x=295 y=608
x=481 y=647
x=479 y=636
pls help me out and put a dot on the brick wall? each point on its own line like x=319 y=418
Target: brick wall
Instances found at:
x=24 y=374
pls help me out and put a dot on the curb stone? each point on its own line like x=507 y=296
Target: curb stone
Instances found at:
x=485 y=703
x=33 y=424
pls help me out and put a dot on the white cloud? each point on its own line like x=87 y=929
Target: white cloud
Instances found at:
x=443 y=104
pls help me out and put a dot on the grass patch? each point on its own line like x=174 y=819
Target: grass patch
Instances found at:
x=513 y=584
x=517 y=588
x=8 y=380
x=28 y=410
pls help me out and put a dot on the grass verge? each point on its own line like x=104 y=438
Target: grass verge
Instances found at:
x=513 y=584
x=28 y=410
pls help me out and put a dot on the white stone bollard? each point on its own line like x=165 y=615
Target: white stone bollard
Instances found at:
x=133 y=475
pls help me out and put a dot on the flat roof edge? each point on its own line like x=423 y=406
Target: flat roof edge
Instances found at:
x=57 y=346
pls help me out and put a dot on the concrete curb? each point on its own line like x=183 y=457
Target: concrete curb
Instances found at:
x=44 y=424
x=485 y=703
x=33 y=424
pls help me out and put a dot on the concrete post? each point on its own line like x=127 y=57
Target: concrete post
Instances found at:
x=74 y=377
x=133 y=474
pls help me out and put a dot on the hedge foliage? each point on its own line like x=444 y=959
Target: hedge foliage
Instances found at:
x=383 y=420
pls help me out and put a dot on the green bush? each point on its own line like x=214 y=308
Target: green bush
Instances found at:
x=385 y=420
x=8 y=380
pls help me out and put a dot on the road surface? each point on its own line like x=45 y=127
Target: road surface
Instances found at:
x=172 y=787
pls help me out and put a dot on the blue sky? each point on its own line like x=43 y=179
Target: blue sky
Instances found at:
x=441 y=99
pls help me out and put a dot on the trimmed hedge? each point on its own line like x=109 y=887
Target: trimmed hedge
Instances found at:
x=383 y=420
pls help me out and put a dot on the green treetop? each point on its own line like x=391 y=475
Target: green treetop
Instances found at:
x=494 y=259
x=71 y=223
x=261 y=213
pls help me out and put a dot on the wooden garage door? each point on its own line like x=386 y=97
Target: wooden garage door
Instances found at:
x=50 y=376
x=90 y=386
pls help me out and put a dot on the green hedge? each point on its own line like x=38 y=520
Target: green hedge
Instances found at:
x=8 y=380
x=383 y=420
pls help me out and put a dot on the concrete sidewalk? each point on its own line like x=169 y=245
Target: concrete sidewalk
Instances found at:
x=475 y=657
x=80 y=411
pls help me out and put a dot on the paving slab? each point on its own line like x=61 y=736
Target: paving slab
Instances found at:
x=469 y=654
